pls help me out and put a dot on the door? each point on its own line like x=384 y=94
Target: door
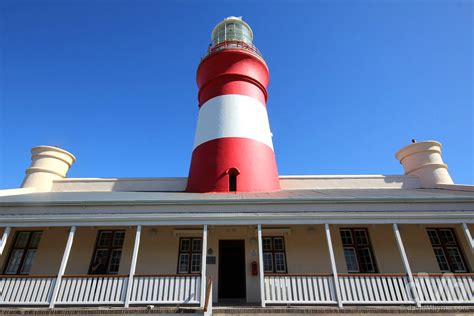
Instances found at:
x=231 y=269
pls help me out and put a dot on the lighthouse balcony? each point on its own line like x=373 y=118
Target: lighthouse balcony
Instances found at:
x=232 y=44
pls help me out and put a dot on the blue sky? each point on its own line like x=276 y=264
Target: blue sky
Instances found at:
x=351 y=82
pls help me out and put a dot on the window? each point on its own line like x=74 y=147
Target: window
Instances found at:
x=23 y=252
x=232 y=182
x=274 y=257
x=357 y=250
x=107 y=253
x=446 y=250
x=190 y=255
x=233 y=173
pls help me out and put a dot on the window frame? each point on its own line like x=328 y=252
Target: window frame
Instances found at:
x=273 y=252
x=111 y=248
x=356 y=247
x=190 y=253
x=25 y=251
x=445 y=246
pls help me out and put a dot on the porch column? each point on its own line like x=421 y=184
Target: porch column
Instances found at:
x=133 y=265
x=333 y=265
x=62 y=268
x=406 y=264
x=260 y=265
x=3 y=242
x=467 y=233
x=203 y=266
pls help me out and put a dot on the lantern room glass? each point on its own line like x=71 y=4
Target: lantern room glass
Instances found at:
x=232 y=30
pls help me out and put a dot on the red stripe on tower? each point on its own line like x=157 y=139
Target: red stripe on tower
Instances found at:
x=233 y=149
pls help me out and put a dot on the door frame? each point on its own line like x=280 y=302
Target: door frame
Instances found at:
x=219 y=271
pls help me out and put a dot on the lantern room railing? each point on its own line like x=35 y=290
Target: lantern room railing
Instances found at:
x=232 y=45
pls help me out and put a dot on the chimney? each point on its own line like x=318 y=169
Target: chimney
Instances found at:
x=47 y=164
x=423 y=159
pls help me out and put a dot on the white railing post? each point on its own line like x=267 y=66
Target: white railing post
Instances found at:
x=133 y=265
x=62 y=268
x=406 y=264
x=203 y=266
x=467 y=233
x=333 y=265
x=261 y=275
x=3 y=242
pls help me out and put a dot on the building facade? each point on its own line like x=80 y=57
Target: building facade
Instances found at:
x=234 y=231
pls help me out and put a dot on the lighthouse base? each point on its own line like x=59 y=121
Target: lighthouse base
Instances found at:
x=212 y=160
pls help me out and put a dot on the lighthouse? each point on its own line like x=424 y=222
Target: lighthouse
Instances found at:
x=233 y=148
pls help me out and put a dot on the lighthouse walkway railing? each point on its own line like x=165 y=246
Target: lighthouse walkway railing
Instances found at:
x=76 y=290
x=369 y=289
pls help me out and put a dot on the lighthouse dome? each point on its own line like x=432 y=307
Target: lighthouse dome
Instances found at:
x=232 y=29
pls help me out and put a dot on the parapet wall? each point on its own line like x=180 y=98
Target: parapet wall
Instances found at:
x=287 y=183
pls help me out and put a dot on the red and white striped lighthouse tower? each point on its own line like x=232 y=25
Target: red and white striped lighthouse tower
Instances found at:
x=233 y=149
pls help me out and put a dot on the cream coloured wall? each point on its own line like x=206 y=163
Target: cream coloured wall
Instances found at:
x=83 y=248
x=418 y=248
x=307 y=250
x=384 y=247
x=420 y=252
x=49 y=252
x=158 y=252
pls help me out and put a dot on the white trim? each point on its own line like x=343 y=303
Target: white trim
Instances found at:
x=233 y=115
x=406 y=264
x=4 y=239
x=17 y=191
x=62 y=268
x=239 y=218
x=133 y=265
x=237 y=199
x=203 y=266
x=333 y=265
x=467 y=233
x=261 y=275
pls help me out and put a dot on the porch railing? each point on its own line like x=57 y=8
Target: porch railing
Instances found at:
x=375 y=289
x=299 y=289
x=26 y=290
x=92 y=290
x=166 y=289
x=100 y=289
x=445 y=288
x=369 y=289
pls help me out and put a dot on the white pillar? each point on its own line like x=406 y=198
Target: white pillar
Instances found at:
x=62 y=268
x=260 y=265
x=203 y=265
x=467 y=233
x=133 y=265
x=406 y=264
x=3 y=242
x=333 y=265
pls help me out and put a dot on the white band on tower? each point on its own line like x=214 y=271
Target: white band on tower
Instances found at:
x=233 y=115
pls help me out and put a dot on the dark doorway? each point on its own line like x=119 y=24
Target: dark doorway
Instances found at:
x=231 y=269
